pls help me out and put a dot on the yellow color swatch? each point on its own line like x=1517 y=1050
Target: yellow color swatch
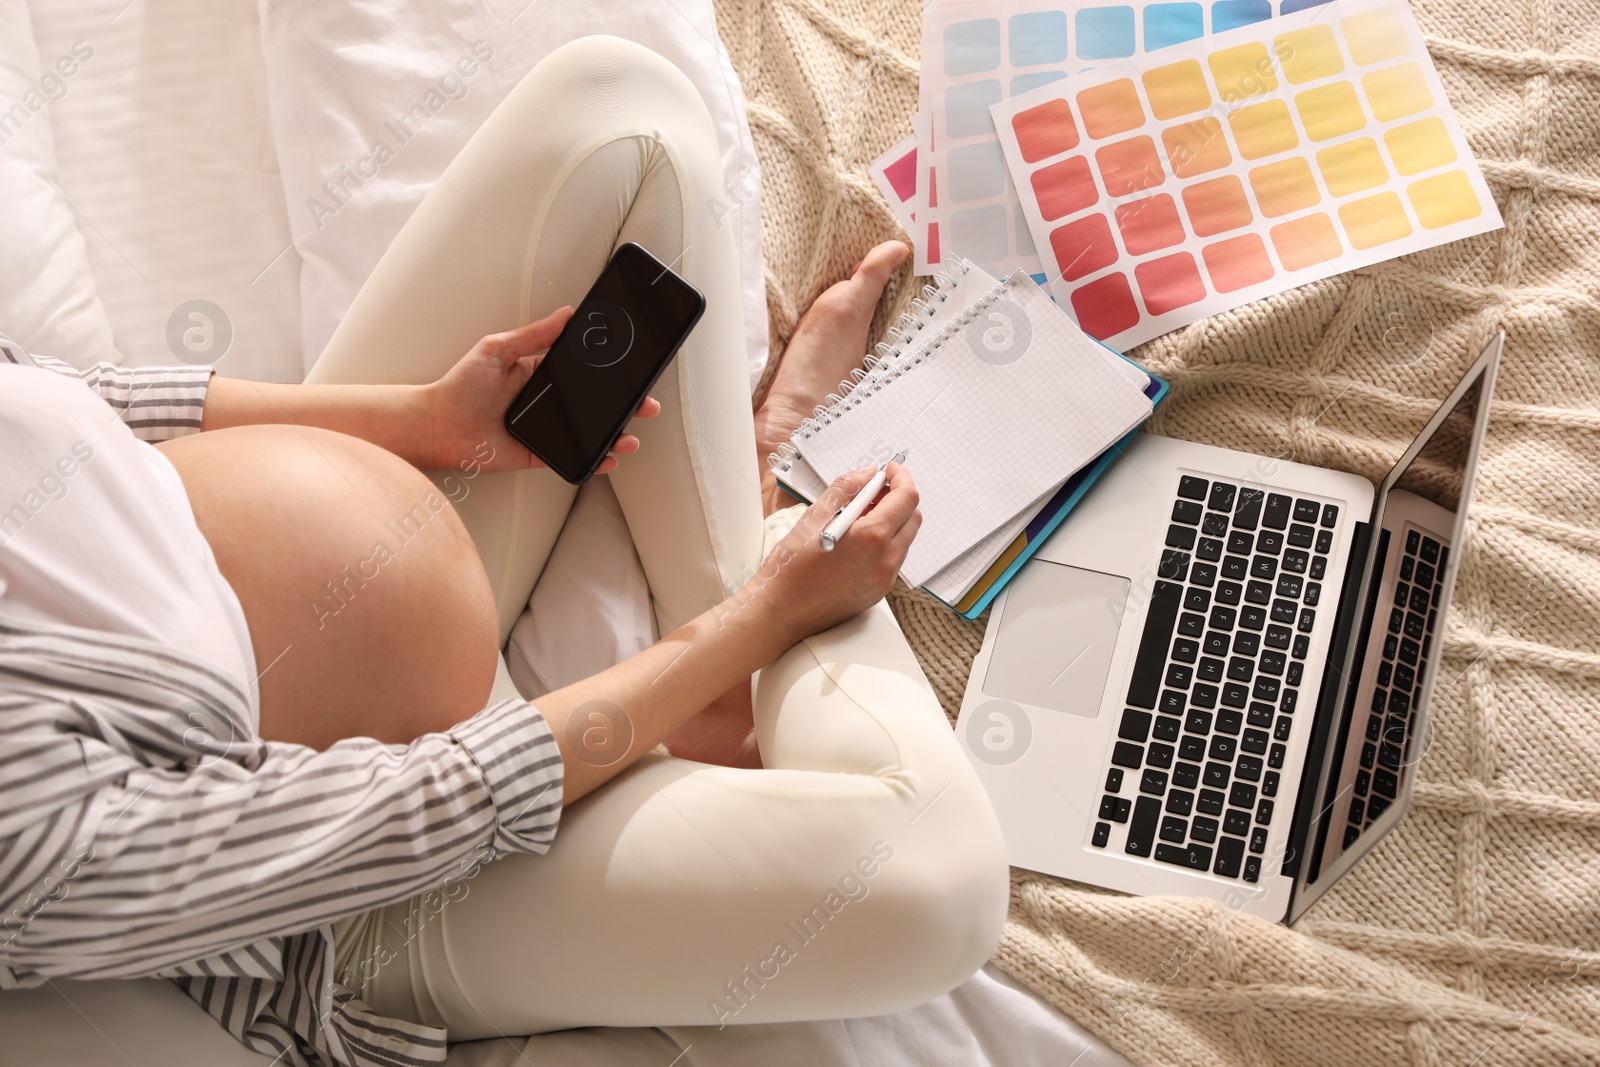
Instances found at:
x=1329 y=111
x=1263 y=129
x=1376 y=35
x=1110 y=109
x=1243 y=71
x=1196 y=147
x=1351 y=167
x=1397 y=91
x=1176 y=89
x=1420 y=146
x=1305 y=242
x=1285 y=187
x=1308 y=54
x=1375 y=220
x=1444 y=199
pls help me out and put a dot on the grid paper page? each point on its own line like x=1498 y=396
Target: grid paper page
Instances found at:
x=1004 y=406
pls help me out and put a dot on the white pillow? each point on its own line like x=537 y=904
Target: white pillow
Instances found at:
x=48 y=302
x=339 y=71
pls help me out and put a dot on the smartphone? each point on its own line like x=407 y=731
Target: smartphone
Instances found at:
x=620 y=338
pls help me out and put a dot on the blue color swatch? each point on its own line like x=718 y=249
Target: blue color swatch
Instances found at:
x=1231 y=14
x=979 y=234
x=1105 y=33
x=1291 y=6
x=972 y=47
x=976 y=171
x=1166 y=24
x=1023 y=83
x=966 y=108
x=1038 y=37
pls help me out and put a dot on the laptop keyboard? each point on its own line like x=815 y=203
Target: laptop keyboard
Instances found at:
x=1196 y=768
x=1393 y=711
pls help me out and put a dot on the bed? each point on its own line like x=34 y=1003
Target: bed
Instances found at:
x=201 y=180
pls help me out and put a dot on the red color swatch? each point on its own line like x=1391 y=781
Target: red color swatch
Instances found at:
x=1105 y=306
x=1217 y=206
x=1065 y=187
x=1169 y=283
x=1045 y=130
x=1237 y=262
x=902 y=175
x=1129 y=166
x=1083 y=246
x=1149 y=224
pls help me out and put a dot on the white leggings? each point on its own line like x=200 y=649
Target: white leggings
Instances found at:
x=863 y=870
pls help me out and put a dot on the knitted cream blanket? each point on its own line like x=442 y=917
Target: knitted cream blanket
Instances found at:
x=1471 y=935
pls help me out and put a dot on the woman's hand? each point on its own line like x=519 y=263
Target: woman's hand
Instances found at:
x=466 y=409
x=810 y=590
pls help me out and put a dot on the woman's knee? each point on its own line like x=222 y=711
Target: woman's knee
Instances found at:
x=598 y=69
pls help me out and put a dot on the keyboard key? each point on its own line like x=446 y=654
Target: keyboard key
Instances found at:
x=1313 y=594
x=1252 y=617
x=1404 y=677
x=1209 y=549
x=1142 y=830
x=1240 y=543
x=1127 y=754
x=1252 y=868
x=1260 y=715
x=1217 y=775
x=1159 y=755
x=1278 y=636
x=1203 y=695
x=1363 y=781
x=1240 y=795
x=1153 y=783
x=1114 y=780
x=1274 y=662
x=1235 y=568
x=1228 y=592
x=1369 y=755
x=1165 y=729
x=1248 y=513
x=1264 y=567
x=1374 y=726
x=1210 y=669
x=1429 y=551
x=1223 y=748
x=1295 y=561
x=1223 y=618
x=1246 y=643
x=1397 y=620
x=1159 y=617
x=1391 y=646
x=1376 y=806
x=1319 y=567
x=1194 y=857
x=1269 y=542
x=1281 y=731
x=1324 y=541
x=1284 y=611
x=1214 y=525
x=1135 y=725
x=1424 y=574
x=1394 y=730
x=1408 y=651
x=1406 y=563
x=1258 y=840
x=1358 y=810
x=1235 y=695
x=1308 y=619
x=1253 y=742
x=1330 y=514
x=1209 y=802
x=1306 y=510
x=1180 y=802
x=1402 y=593
x=1221 y=496
x=1269 y=784
x=1191 y=625
x=1288 y=586
x=1276 y=757
x=1119 y=813
x=1203 y=574
x=1230 y=851
x=1276 y=514
x=1174 y=829
x=1230 y=722
x=1301 y=536
x=1187 y=512
x=1258 y=592
x=1172 y=702
x=1192 y=488
x=1186 y=776
x=1351 y=835
x=1266 y=687
x=1180 y=536
x=1179 y=676
x=1216 y=644
x=1241 y=669
x=1198 y=722
x=1390 y=755
x=1108 y=806
x=1184 y=650
x=1421 y=598
x=1236 y=822
x=1192 y=748
x=1385 y=783
x=1413 y=542
x=1203 y=829
x=1297 y=673
x=1248 y=769
x=1102 y=834
x=1174 y=565
x=1291 y=697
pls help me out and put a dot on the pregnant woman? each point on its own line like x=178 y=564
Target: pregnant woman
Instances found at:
x=256 y=731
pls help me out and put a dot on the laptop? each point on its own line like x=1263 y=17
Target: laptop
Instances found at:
x=1213 y=679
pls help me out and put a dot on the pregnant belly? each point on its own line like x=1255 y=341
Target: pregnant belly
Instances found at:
x=370 y=613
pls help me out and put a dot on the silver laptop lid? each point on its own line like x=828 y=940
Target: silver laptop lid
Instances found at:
x=1429 y=487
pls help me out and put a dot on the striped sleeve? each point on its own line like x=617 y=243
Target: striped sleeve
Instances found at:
x=157 y=403
x=184 y=869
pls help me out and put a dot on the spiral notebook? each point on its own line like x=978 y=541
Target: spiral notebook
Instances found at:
x=997 y=396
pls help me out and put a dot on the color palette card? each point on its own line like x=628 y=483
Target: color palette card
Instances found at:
x=1176 y=185
x=976 y=54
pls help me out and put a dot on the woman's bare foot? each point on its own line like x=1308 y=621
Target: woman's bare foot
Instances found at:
x=827 y=345
x=723 y=733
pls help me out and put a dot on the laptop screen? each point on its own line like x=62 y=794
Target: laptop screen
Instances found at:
x=1380 y=736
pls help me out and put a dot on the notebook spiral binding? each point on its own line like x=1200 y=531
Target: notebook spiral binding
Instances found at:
x=890 y=358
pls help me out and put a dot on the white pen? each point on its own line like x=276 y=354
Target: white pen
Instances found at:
x=845 y=516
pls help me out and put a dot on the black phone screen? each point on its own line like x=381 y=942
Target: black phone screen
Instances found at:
x=620 y=338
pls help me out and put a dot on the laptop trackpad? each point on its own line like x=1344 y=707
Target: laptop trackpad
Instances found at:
x=1057 y=633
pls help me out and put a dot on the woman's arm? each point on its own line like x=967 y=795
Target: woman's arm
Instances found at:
x=799 y=590
x=435 y=426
